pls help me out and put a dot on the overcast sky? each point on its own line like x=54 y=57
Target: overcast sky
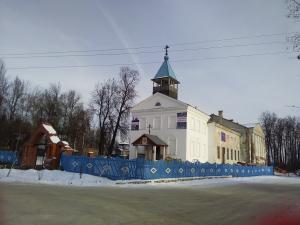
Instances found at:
x=210 y=78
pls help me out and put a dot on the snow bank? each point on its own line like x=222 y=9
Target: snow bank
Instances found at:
x=54 y=177
x=57 y=177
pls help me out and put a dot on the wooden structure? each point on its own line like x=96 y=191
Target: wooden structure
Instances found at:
x=154 y=147
x=44 y=148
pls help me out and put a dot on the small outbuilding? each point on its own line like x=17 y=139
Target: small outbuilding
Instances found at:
x=44 y=148
x=153 y=148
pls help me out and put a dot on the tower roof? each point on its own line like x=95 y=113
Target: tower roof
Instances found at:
x=165 y=69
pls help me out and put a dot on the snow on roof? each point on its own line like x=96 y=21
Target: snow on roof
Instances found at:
x=54 y=139
x=250 y=125
x=65 y=143
x=124 y=143
x=49 y=128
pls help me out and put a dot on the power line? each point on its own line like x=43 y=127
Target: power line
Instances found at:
x=293 y=106
x=145 y=47
x=144 y=63
x=144 y=52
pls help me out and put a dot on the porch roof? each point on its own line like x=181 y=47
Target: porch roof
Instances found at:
x=154 y=140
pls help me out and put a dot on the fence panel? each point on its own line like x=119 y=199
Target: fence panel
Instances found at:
x=9 y=157
x=113 y=168
x=117 y=168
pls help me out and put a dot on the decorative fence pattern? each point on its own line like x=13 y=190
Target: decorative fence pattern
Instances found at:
x=116 y=168
x=112 y=168
x=8 y=157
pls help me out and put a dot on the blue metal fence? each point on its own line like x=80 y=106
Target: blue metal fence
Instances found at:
x=117 y=168
x=113 y=168
x=8 y=157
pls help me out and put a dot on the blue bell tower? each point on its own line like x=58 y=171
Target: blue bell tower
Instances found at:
x=165 y=81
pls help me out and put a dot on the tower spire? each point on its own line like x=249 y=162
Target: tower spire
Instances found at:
x=165 y=81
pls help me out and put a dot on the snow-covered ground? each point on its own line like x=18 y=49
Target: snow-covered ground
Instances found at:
x=56 y=177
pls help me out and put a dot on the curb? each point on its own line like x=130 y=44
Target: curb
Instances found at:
x=170 y=180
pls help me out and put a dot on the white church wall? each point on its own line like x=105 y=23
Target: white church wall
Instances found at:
x=163 y=123
x=212 y=146
x=161 y=113
x=197 y=139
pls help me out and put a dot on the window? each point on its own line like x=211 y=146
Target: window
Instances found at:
x=238 y=155
x=223 y=137
x=234 y=154
x=231 y=154
x=227 y=153
x=218 y=152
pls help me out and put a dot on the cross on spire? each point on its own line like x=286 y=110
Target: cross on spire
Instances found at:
x=166 y=48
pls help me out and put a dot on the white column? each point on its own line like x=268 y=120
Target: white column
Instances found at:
x=136 y=151
x=154 y=153
x=164 y=152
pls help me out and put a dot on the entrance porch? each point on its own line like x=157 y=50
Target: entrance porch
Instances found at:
x=153 y=148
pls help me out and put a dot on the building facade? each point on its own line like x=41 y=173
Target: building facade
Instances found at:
x=178 y=124
x=256 y=144
x=252 y=139
x=182 y=127
x=165 y=127
x=223 y=143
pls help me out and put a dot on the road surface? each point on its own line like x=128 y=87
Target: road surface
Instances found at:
x=22 y=204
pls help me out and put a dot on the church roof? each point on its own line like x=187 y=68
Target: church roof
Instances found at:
x=153 y=138
x=165 y=70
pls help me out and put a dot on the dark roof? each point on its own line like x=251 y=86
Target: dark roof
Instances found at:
x=153 y=138
x=227 y=123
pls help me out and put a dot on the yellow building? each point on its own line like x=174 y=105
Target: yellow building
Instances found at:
x=256 y=143
x=224 y=144
x=223 y=133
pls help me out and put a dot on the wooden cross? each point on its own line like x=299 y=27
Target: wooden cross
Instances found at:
x=149 y=127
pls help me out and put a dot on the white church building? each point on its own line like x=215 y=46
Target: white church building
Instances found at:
x=165 y=127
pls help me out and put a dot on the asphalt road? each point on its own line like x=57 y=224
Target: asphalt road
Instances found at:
x=237 y=204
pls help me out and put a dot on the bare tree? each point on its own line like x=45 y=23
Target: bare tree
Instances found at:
x=51 y=104
x=293 y=9
x=282 y=140
x=70 y=102
x=3 y=84
x=15 y=94
x=103 y=98
x=124 y=100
